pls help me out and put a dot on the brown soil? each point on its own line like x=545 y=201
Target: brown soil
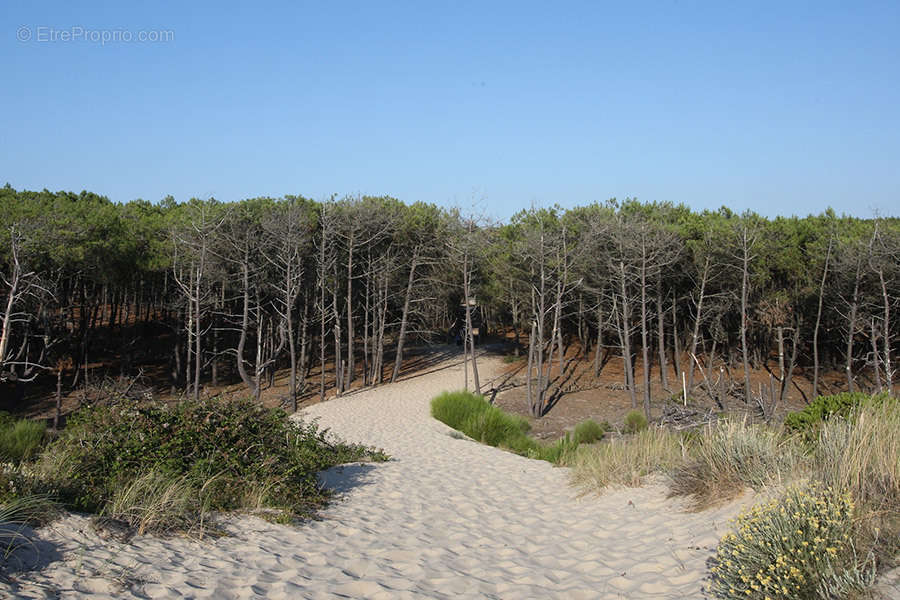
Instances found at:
x=605 y=398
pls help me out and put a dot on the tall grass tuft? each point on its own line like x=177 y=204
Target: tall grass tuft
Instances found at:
x=20 y=439
x=732 y=454
x=155 y=502
x=16 y=514
x=629 y=461
x=861 y=455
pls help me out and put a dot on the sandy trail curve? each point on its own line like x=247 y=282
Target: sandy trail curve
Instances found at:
x=446 y=518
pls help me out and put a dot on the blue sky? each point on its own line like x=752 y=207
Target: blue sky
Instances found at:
x=783 y=108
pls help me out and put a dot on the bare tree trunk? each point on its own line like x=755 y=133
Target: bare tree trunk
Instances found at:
x=695 y=336
x=873 y=336
x=745 y=284
x=599 y=339
x=661 y=335
x=338 y=360
x=886 y=359
x=466 y=292
x=350 y=366
x=528 y=387
x=645 y=351
x=851 y=328
x=404 y=319
x=245 y=326
x=676 y=343
x=625 y=338
x=56 y=415
x=819 y=318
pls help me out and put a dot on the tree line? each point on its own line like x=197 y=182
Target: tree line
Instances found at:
x=335 y=292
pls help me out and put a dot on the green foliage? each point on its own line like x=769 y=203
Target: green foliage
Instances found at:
x=798 y=547
x=808 y=420
x=589 y=431
x=223 y=451
x=20 y=439
x=478 y=419
x=635 y=421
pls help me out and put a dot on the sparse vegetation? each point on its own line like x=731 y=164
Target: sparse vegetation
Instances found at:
x=629 y=461
x=733 y=454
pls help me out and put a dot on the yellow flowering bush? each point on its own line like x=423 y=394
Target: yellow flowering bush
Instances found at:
x=797 y=546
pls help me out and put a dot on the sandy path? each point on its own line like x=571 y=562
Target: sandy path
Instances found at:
x=447 y=518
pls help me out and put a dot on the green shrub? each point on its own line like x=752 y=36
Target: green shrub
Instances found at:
x=635 y=421
x=823 y=408
x=589 y=431
x=20 y=439
x=798 y=546
x=454 y=408
x=483 y=422
x=730 y=455
x=139 y=450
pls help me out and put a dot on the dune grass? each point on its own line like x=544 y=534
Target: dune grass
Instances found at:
x=628 y=461
x=731 y=455
x=477 y=418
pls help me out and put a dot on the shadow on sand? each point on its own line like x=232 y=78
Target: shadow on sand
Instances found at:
x=343 y=478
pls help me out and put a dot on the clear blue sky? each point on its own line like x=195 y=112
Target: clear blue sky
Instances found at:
x=781 y=109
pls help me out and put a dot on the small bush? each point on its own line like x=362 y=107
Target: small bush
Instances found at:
x=512 y=358
x=730 y=455
x=589 y=431
x=799 y=547
x=635 y=421
x=628 y=461
x=20 y=439
x=808 y=420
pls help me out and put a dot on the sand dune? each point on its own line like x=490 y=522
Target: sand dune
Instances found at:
x=447 y=518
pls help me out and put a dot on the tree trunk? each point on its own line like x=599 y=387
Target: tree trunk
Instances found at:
x=599 y=339
x=819 y=318
x=851 y=328
x=745 y=284
x=404 y=319
x=245 y=326
x=350 y=366
x=661 y=335
x=695 y=336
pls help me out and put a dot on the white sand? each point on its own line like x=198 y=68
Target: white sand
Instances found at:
x=447 y=518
